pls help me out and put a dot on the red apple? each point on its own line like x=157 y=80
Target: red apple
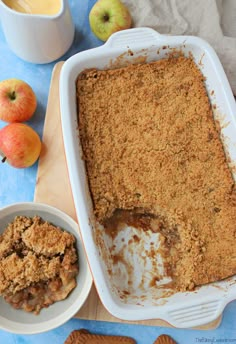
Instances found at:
x=17 y=101
x=20 y=145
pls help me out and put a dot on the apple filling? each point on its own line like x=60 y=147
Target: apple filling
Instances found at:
x=38 y=264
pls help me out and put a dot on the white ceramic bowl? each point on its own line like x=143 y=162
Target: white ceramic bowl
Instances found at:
x=21 y=322
x=131 y=46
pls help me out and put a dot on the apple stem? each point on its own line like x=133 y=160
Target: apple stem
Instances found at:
x=13 y=95
x=4 y=159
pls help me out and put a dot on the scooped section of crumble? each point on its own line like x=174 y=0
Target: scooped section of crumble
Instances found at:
x=150 y=142
x=38 y=263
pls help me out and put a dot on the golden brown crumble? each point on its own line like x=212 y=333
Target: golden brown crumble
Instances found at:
x=150 y=142
x=38 y=263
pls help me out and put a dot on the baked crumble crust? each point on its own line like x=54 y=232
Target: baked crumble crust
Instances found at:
x=150 y=142
x=38 y=263
x=47 y=239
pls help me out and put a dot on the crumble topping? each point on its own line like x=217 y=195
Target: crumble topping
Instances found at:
x=150 y=142
x=38 y=263
x=47 y=240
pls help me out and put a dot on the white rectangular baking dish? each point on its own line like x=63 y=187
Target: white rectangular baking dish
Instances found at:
x=131 y=46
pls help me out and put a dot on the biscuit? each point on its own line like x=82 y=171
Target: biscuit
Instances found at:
x=85 y=337
x=164 y=339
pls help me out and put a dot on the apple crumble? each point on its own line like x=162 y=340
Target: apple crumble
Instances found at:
x=38 y=263
x=151 y=145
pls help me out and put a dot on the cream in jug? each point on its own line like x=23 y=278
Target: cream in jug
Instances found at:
x=44 y=7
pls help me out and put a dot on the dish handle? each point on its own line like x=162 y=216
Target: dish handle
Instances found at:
x=198 y=314
x=135 y=36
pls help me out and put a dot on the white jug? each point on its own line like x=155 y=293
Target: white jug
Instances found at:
x=38 y=38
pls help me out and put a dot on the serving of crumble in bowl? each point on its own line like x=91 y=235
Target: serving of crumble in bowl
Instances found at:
x=44 y=275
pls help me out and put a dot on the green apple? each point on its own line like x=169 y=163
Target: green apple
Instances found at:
x=107 y=17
